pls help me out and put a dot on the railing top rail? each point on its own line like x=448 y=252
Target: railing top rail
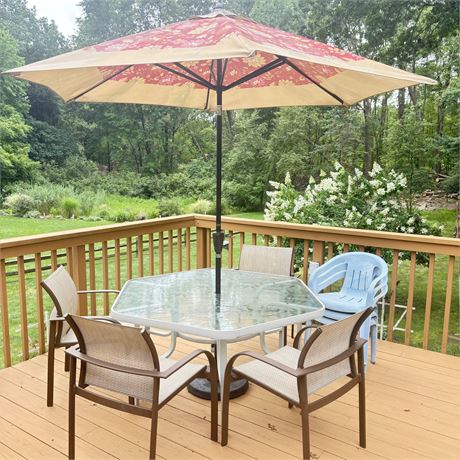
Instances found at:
x=392 y=240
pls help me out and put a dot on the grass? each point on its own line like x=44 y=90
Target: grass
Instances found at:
x=12 y=226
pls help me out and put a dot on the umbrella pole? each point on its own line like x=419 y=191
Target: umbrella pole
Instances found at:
x=218 y=235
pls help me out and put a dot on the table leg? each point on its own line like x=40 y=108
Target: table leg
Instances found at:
x=201 y=387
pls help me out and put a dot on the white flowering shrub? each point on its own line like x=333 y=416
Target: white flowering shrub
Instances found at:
x=341 y=199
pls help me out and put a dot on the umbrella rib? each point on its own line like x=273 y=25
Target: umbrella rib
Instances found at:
x=195 y=75
x=301 y=72
x=99 y=83
x=184 y=75
x=261 y=70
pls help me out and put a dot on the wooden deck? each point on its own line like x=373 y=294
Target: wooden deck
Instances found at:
x=413 y=399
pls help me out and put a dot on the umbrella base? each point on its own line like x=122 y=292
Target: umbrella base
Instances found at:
x=202 y=388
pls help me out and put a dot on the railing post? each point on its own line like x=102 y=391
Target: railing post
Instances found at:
x=318 y=252
x=79 y=276
x=201 y=247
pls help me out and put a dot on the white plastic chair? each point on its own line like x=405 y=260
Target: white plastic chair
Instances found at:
x=365 y=282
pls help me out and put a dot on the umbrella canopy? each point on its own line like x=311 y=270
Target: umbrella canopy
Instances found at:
x=176 y=65
x=216 y=62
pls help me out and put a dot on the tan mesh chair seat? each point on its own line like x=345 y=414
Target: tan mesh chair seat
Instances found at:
x=266 y=259
x=69 y=338
x=293 y=373
x=266 y=375
x=142 y=387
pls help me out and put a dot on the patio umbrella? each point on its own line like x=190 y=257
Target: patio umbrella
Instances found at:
x=216 y=62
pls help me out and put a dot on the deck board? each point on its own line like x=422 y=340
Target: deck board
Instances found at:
x=413 y=399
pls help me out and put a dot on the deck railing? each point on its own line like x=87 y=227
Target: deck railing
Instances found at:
x=105 y=257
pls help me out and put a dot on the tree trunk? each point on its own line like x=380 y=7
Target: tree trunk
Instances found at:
x=367 y=163
x=401 y=102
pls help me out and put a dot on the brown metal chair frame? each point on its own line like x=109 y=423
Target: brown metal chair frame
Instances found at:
x=357 y=377
x=78 y=352
x=55 y=333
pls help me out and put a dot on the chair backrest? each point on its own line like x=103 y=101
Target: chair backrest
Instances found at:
x=62 y=290
x=118 y=345
x=327 y=342
x=359 y=271
x=266 y=259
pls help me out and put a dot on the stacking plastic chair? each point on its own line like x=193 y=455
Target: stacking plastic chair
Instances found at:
x=365 y=282
x=123 y=359
x=293 y=373
x=62 y=290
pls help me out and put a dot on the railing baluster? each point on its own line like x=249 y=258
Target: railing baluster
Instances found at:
x=266 y=240
x=330 y=250
x=179 y=249
x=161 y=255
x=361 y=248
x=117 y=264
x=151 y=255
x=318 y=251
x=230 y=249
x=170 y=251
x=140 y=256
x=23 y=307
x=393 y=287
x=254 y=238
x=54 y=262
x=105 y=276
x=69 y=260
x=447 y=305
x=92 y=278
x=429 y=296
x=210 y=246
x=346 y=247
x=278 y=241
x=129 y=257
x=39 y=296
x=306 y=246
x=410 y=297
x=378 y=252
x=4 y=312
x=187 y=249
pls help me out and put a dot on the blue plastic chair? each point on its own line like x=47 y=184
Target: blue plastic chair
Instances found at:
x=365 y=282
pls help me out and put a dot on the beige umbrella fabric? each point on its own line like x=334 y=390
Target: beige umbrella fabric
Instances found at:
x=171 y=64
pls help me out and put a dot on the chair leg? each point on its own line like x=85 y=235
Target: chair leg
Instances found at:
x=373 y=343
x=153 y=433
x=71 y=434
x=225 y=400
x=214 y=379
x=305 y=433
x=66 y=362
x=50 y=377
x=362 y=400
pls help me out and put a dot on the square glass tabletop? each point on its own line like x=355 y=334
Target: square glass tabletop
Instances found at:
x=185 y=302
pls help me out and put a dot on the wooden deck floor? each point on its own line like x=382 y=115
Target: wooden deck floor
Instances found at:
x=413 y=399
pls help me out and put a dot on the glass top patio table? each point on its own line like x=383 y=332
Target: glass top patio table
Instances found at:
x=250 y=303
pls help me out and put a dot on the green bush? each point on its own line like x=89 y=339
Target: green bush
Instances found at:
x=123 y=216
x=19 y=203
x=201 y=207
x=47 y=196
x=33 y=214
x=451 y=185
x=70 y=207
x=169 y=207
x=89 y=201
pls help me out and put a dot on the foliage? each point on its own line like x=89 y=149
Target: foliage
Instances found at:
x=349 y=200
x=451 y=184
x=169 y=207
x=19 y=204
x=201 y=207
x=69 y=207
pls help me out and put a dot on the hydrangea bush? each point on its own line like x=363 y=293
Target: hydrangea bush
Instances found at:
x=341 y=199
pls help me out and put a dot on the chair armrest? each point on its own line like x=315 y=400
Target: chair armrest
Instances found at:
x=264 y=359
x=186 y=359
x=99 y=291
x=299 y=334
x=109 y=319
x=336 y=359
x=75 y=353
x=60 y=319
x=382 y=288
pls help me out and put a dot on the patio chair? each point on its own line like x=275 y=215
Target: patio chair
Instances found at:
x=365 y=282
x=266 y=259
x=123 y=359
x=294 y=374
x=272 y=260
x=64 y=294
